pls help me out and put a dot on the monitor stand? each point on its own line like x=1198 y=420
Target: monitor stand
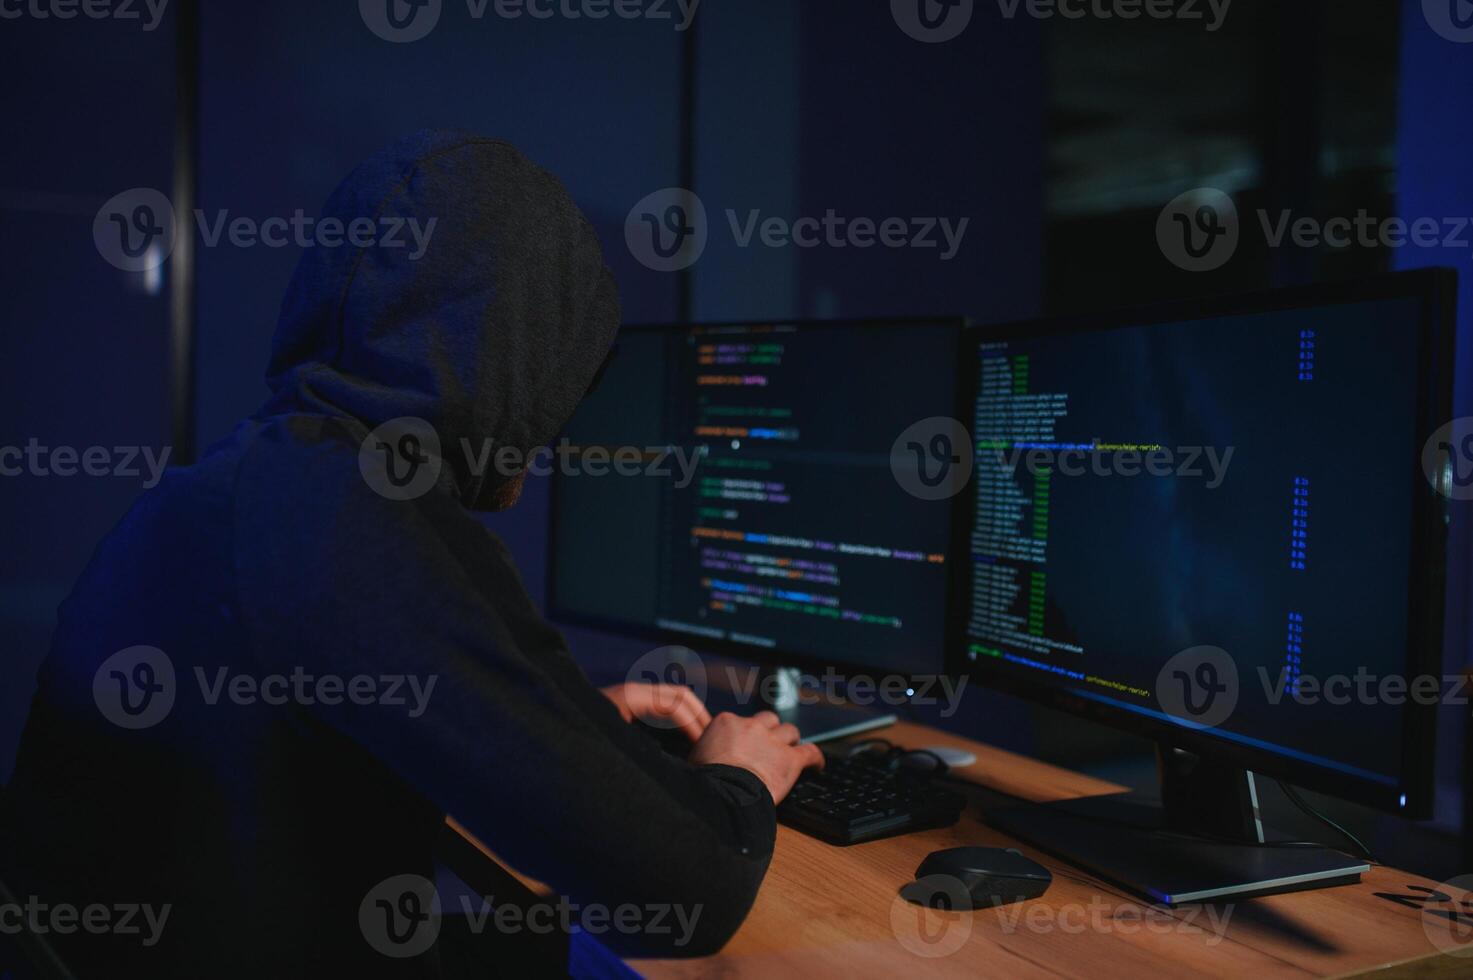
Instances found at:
x=779 y=689
x=1119 y=837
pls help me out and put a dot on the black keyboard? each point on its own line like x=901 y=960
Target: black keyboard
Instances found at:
x=864 y=797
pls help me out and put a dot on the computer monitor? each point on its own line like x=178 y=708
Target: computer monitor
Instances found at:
x=790 y=542
x=1184 y=523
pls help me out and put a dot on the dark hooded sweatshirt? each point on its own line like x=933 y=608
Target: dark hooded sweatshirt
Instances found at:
x=263 y=827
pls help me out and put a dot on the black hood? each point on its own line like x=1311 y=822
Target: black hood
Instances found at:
x=493 y=333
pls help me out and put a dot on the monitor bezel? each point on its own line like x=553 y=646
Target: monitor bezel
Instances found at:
x=766 y=656
x=1436 y=289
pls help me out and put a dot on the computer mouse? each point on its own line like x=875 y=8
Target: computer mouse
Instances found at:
x=976 y=878
x=953 y=757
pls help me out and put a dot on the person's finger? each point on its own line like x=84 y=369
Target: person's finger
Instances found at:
x=811 y=756
x=688 y=721
x=767 y=719
x=703 y=714
x=787 y=734
x=691 y=704
x=700 y=717
x=667 y=698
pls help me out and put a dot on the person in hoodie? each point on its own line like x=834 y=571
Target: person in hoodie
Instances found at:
x=173 y=762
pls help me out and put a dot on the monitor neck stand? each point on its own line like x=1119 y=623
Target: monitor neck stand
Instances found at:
x=780 y=689
x=1141 y=845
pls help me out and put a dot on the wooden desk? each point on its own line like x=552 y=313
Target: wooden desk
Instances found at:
x=832 y=911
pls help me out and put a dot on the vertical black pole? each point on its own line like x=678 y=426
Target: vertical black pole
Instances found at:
x=684 y=283
x=181 y=262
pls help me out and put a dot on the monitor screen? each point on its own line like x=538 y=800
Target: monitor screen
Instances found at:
x=787 y=536
x=1198 y=522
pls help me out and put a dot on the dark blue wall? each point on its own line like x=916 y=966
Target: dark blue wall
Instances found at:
x=294 y=95
x=82 y=345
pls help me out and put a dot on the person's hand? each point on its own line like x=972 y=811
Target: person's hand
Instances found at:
x=762 y=745
x=663 y=705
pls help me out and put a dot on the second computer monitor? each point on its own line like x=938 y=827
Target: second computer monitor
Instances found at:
x=778 y=530
x=1208 y=523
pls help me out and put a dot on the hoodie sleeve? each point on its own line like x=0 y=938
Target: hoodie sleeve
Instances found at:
x=510 y=739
